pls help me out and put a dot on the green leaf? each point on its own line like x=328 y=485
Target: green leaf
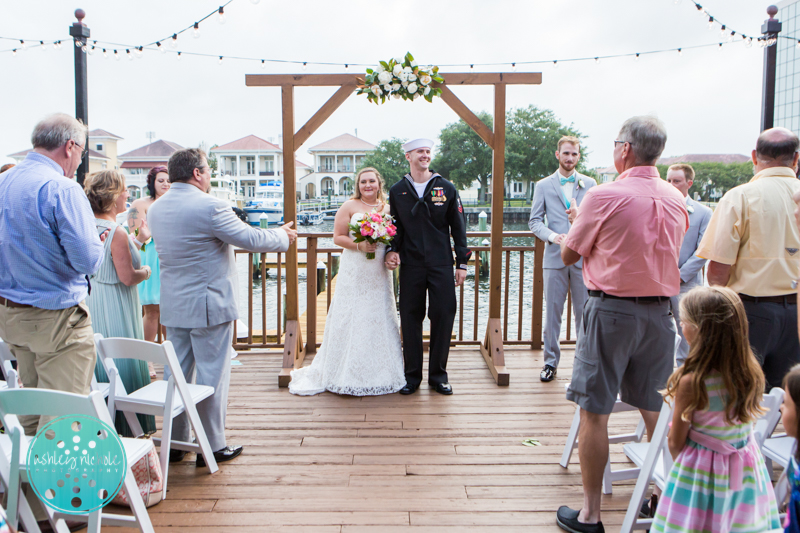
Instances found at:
x=385 y=65
x=429 y=97
x=409 y=57
x=368 y=80
x=369 y=71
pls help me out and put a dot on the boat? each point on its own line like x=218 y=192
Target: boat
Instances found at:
x=223 y=188
x=268 y=201
x=310 y=218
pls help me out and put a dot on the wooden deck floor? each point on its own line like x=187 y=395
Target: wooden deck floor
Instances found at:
x=392 y=463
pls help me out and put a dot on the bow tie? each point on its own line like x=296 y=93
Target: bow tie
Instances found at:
x=570 y=179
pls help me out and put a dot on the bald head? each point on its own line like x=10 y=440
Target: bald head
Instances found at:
x=776 y=147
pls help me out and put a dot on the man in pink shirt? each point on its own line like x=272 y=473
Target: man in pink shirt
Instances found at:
x=629 y=234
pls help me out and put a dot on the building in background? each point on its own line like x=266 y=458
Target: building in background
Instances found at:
x=787 y=74
x=137 y=163
x=105 y=143
x=335 y=163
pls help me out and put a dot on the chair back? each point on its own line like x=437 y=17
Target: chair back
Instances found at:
x=122 y=348
x=9 y=374
x=766 y=423
x=52 y=403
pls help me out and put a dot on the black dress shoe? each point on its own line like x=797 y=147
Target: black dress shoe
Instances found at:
x=408 y=389
x=567 y=519
x=442 y=388
x=176 y=456
x=548 y=373
x=225 y=454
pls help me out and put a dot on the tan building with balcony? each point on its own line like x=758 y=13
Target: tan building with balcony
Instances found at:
x=335 y=163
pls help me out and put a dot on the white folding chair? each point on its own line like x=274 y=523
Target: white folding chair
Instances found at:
x=766 y=423
x=654 y=463
x=159 y=397
x=9 y=373
x=609 y=476
x=780 y=449
x=56 y=403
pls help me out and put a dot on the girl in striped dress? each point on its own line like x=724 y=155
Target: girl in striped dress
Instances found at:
x=718 y=482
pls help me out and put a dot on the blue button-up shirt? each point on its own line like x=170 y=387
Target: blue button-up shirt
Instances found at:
x=48 y=237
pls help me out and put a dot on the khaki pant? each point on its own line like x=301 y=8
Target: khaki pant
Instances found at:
x=54 y=350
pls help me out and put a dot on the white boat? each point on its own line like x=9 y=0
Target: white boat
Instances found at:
x=223 y=188
x=268 y=200
x=310 y=218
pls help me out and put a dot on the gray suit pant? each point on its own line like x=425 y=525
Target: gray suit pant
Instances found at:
x=208 y=351
x=682 y=347
x=557 y=281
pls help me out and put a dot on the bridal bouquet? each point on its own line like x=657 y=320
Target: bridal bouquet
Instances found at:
x=400 y=77
x=374 y=228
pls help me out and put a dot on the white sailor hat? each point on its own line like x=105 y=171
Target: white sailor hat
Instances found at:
x=417 y=143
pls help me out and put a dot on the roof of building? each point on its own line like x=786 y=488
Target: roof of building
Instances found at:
x=155 y=151
x=103 y=133
x=300 y=164
x=704 y=158
x=251 y=143
x=608 y=170
x=92 y=154
x=344 y=142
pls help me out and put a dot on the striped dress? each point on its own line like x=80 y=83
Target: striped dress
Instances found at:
x=721 y=485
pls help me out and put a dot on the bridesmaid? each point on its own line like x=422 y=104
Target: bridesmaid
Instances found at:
x=114 y=300
x=149 y=290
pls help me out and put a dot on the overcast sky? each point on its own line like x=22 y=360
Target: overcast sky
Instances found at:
x=709 y=99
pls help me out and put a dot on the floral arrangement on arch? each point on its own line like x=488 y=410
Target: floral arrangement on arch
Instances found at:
x=400 y=78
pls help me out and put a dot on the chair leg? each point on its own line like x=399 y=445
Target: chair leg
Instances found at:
x=137 y=504
x=166 y=446
x=640 y=429
x=95 y=519
x=607 y=477
x=572 y=438
x=133 y=423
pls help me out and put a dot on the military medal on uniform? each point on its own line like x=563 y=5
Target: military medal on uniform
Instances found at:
x=437 y=195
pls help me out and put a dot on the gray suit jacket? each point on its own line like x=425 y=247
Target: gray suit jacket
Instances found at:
x=193 y=233
x=688 y=262
x=548 y=214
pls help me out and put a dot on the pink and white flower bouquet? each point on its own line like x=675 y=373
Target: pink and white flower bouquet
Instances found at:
x=374 y=227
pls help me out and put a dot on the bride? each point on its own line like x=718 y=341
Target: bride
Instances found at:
x=360 y=353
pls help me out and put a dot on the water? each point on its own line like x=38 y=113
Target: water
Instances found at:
x=514 y=316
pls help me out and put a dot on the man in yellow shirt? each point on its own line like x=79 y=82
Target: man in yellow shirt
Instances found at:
x=753 y=245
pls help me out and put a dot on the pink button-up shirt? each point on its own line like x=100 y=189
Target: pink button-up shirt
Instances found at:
x=629 y=233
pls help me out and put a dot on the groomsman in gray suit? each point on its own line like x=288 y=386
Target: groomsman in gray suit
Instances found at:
x=195 y=234
x=552 y=198
x=681 y=176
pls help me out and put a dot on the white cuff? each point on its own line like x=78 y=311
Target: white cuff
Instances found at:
x=552 y=237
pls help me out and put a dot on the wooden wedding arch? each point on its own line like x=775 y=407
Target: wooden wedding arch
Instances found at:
x=492 y=346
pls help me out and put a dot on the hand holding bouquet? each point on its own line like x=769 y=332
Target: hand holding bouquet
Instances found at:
x=374 y=227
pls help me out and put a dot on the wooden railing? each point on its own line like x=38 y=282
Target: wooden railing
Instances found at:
x=527 y=286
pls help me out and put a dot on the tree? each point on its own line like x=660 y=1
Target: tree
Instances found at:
x=532 y=136
x=463 y=156
x=389 y=159
x=713 y=179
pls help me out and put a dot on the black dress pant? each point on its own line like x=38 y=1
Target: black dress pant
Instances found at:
x=773 y=338
x=439 y=284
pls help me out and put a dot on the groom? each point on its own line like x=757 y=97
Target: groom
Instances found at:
x=427 y=211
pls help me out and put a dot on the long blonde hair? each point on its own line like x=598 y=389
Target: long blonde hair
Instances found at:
x=357 y=189
x=721 y=344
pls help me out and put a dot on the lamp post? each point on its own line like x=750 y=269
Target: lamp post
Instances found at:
x=80 y=32
x=770 y=30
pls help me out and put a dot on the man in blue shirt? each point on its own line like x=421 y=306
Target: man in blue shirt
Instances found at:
x=48 y=246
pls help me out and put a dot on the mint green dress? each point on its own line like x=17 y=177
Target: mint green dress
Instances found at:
x=150 y=289
x=116 y=312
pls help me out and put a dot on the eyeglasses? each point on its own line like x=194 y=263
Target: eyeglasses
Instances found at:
x=622 y=142
x=83 y=149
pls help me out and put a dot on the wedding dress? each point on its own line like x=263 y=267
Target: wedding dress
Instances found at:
x=360 y=353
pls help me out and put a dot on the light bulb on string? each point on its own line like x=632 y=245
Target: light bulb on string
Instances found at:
x=263 y=64
x=116 y=55
x=748 y=42
x=174 y=42
x=55 y=45
x=196 y=32
x=84 y=49
x=731 y=35
x=220 y=60
x=680 y=52
x=42 y=46
x=91 y=50
x=138 y=52
x=513 y=67
x=78 y=43
x=472 y=67
x=179 y=56
x=23 y=45
x=798 y=43
x=720 y=47
x=701 y=10
x=221 y=17
x=636 y=57
x=105 y=54
x=14 y=51
x=128 y=53
x=346 y=67
x=722 y=31
x=710 y=23
x=161 y=47
x=555 y=63
x=597 y=60
x=306 y=64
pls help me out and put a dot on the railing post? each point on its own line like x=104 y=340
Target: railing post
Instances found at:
x=538 y=295
x=311 y=296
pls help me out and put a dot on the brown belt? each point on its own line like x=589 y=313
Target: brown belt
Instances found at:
x=9 y=303
x=783 y=299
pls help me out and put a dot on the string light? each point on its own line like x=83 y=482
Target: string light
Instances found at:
x=196 y=32
x=346 y=67
x=174 y=42
x=14 y=51
x=91 y=50
x=636 y=58
x=305 y=64
x=116 y=55
x=710 y=23
x=748 y=42
x=128 y=53
x=597 y=60
x=161 y=48
x=179 y=56
x=472 y=67
x=555 y=63
x=513 y=67
x=720 y=47
x=23 y=45
x=221 y=17
x=138 y=52
x=42 y=46
x=263 y=64
x=680 y=52
x=722 y=31
x=798 y=43
x=105 y=54
x=56 y=45
x=220 y=60
x=78 y=43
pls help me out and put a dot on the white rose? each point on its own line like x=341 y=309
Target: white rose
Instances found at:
x=413 y=63
x=427 y=91
x=412 y=77
x=396 y=87
x=397 y=70
x=416 y=95
x=379 y=69
x=376 y=90
x=385 y=77
x=396 y=96
x=404 y=83
x=412 y=87
x=403 y=77
x=387 y=88
x=399 y=60
x=408 y=70
x=425 y=79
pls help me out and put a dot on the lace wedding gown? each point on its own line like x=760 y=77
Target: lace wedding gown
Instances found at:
x=360 y=353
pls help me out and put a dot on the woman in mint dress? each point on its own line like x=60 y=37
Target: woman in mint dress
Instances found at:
x=114 y=299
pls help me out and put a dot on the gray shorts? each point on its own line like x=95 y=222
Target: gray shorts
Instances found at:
x=625 y=348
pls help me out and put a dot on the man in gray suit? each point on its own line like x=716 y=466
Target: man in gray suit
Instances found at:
x=681 y=176
x=552 y=198
x=194 y=234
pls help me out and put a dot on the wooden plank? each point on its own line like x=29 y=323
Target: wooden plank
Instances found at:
x=477 y=125
x=322 y=114
x=452 y=78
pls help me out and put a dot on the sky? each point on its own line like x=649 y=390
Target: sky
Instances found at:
x=709 y=99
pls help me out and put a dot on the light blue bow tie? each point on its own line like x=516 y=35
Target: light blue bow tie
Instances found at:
x=570 y=179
